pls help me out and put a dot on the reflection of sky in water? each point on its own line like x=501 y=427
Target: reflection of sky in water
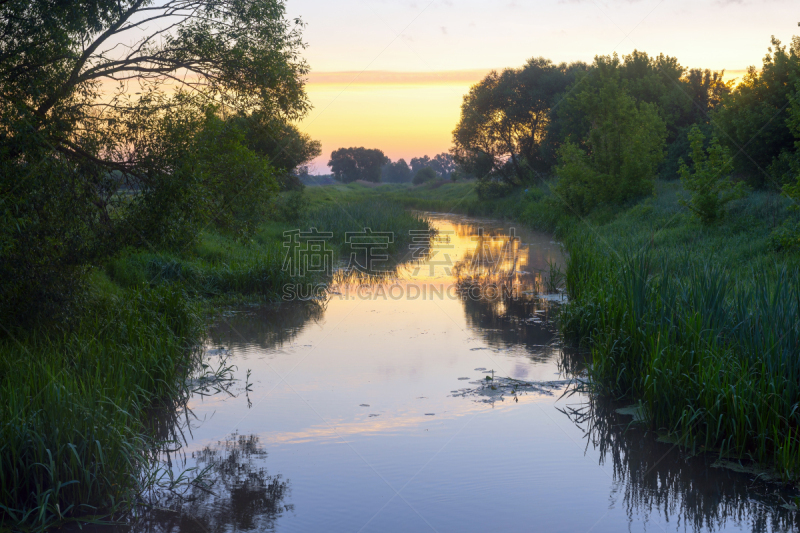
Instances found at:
x=353 y=405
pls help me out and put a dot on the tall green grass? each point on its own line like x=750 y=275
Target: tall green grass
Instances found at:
x=375 y=213
x=216 y=266
x=71 y=419
x=701 y=324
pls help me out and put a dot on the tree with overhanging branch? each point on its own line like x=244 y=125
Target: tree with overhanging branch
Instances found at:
x=99 y=103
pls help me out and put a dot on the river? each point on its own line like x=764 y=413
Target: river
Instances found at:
x=369 y=410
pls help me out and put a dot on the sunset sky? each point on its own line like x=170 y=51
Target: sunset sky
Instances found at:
x=391 y=74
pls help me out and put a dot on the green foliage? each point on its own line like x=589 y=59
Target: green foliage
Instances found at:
x=698 y=322
x=237 y=183
x=492 y=190
x=753 y=120
x=443 y=164
x=74 y=404
x=682 y=97
x=578 y=184
x=85 y=173
x=709 y=179
x=280 y=143
x=353 y=164
x=505 y=118
x=377 y=214
x=424 y=174
x=291 y=206
x=623 y=147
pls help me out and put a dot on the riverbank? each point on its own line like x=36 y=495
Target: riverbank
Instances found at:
x=699 y=324
x=78 y=395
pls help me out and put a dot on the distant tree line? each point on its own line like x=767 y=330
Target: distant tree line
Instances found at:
x=352 y=164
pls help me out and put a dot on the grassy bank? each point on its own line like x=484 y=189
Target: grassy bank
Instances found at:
x=535 y=206
x=698 y=323
x=74 y=438
x=74 y=402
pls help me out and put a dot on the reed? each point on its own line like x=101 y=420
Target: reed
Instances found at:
x=701 y=324
x=71 y=438
x=375 y=213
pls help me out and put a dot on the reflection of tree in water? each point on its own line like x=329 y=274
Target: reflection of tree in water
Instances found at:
x=267 y=326
x=506 y=321
x=241 y=495
x=498 y=295
x=661 y=483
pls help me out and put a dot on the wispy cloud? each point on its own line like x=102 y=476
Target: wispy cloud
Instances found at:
x=388 y=77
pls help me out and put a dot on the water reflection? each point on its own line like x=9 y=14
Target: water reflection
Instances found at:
x=266 y=327
x=662 y=482
x=357 y=390
x=508 y=321
x=232 y=491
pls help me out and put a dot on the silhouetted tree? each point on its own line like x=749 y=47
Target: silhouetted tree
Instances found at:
x=753 y=121
x=424 y=174
x=505 y=118
x=443 y=164
x=418 y=163
x=351 y=164
x=397 y=172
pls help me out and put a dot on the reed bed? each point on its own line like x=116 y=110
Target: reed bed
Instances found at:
x=375 y=213
x=700 y=324
x=71 y=441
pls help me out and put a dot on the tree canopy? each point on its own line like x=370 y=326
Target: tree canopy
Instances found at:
x=619 y=156
x=397 y=172
x=351 y=164
x=505 y=119
x=105 y=115
x=754 y=123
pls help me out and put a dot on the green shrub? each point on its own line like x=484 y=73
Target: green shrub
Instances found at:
x=291 y=206
x=709 y=183
x=424 y=174
x=492 y=190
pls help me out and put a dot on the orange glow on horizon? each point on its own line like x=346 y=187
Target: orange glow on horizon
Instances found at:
x=388 y=77
x=405 y=114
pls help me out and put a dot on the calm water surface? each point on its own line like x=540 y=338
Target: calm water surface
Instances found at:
x=370 y=411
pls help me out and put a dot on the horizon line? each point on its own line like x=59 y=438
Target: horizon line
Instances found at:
x=432 y=77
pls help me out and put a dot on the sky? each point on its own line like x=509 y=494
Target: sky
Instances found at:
x=391 y=74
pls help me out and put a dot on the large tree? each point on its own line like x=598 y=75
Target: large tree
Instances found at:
x=99 y=106
x=351 y=164
x=505 y=117
x=281 y=143
x=443 y=164
x=397 y=172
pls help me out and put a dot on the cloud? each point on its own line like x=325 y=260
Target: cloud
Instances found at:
x=390 y=77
